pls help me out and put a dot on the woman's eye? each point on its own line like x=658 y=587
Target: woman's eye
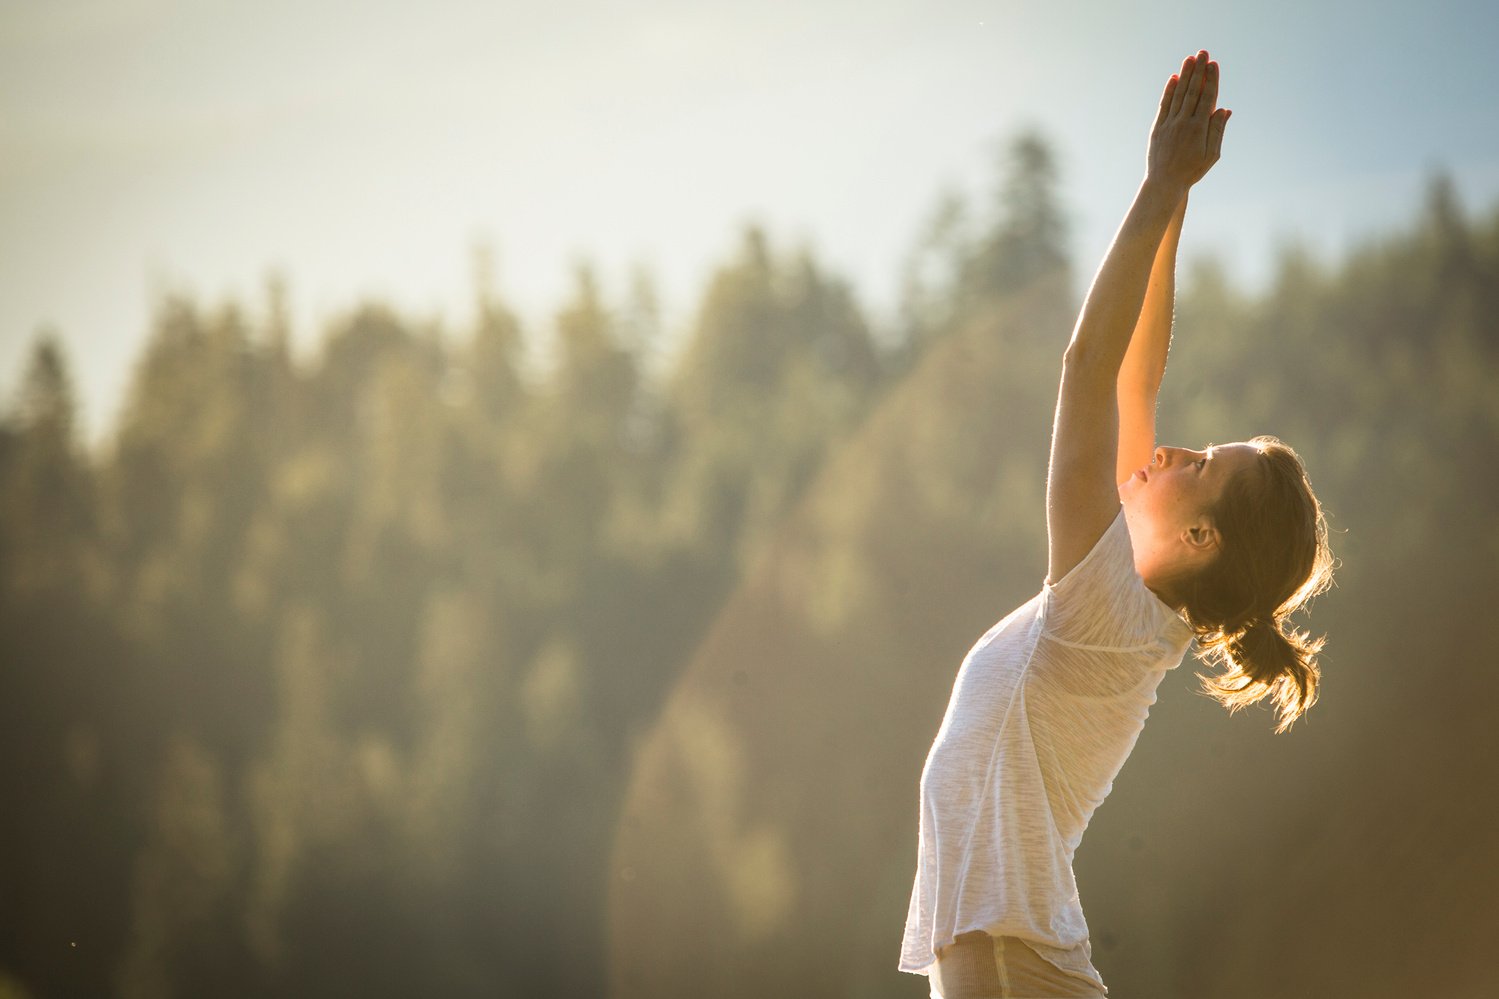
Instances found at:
x=1200 y=462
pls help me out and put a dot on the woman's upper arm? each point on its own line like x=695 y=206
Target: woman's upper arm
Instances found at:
x=1136 y=429
x=1082 y=498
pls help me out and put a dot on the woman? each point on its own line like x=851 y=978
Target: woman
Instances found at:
x=1149 y=548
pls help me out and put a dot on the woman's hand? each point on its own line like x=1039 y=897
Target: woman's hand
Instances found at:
x=1188 y=134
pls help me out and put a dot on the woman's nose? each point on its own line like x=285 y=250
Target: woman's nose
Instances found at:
x=1159 y=458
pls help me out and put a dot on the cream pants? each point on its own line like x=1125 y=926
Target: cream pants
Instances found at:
x=978 y=966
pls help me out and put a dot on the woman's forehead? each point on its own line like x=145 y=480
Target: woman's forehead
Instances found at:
x=1238 y=449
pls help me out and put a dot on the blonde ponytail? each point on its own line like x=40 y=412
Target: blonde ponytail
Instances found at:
x=1274 y=559
x=1265 y=659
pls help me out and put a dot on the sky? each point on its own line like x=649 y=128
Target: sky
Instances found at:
x=365 y=149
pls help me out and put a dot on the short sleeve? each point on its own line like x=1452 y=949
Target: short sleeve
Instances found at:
x=1103 y=603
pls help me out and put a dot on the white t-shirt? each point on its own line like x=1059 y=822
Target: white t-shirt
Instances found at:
x=1045 y=709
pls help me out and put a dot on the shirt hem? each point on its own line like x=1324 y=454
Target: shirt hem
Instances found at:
x=1039 y=946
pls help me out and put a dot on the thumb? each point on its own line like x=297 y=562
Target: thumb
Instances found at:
x=1216 y=125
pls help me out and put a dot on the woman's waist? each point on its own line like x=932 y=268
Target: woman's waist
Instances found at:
x=979 y=966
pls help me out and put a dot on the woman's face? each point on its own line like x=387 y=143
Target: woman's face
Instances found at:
x=1166 y=504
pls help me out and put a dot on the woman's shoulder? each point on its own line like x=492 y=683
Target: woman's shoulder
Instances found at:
x=1103 y=601
x=1111 y=558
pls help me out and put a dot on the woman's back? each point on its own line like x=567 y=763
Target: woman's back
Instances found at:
x=1044 y=711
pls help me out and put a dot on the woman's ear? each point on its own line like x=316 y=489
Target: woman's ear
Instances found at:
x=1202 y=537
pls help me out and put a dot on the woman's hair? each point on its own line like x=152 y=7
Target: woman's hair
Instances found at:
x=1272 y=560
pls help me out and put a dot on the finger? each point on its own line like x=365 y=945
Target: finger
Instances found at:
x=1171 y=86
x=1208 y=103
x=1199 y=75
x=1216 y=124
x=1189 y=64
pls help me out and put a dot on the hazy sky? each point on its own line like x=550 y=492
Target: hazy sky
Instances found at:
x=364 y=148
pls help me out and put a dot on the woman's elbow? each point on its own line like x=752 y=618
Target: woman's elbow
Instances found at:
x=1082 y=361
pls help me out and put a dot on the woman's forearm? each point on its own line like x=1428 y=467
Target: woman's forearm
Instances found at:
x=1114 y=303
x=1144 y=362
x=1145 y=359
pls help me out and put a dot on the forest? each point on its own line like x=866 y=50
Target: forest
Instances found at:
x=430 y=662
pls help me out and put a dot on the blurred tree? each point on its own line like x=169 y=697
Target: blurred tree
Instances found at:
x=49 y=529
x=779 y=365
x=1027 y=241
x=399 y=538
x=931 y=278
x=967 y=269
x=198 y=435
x=584 y=417
x=183 y=935
x=67 y=782
x=494 y=353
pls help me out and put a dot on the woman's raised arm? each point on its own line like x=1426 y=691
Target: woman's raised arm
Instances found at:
x=1081 y=489
x=1144 y=365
